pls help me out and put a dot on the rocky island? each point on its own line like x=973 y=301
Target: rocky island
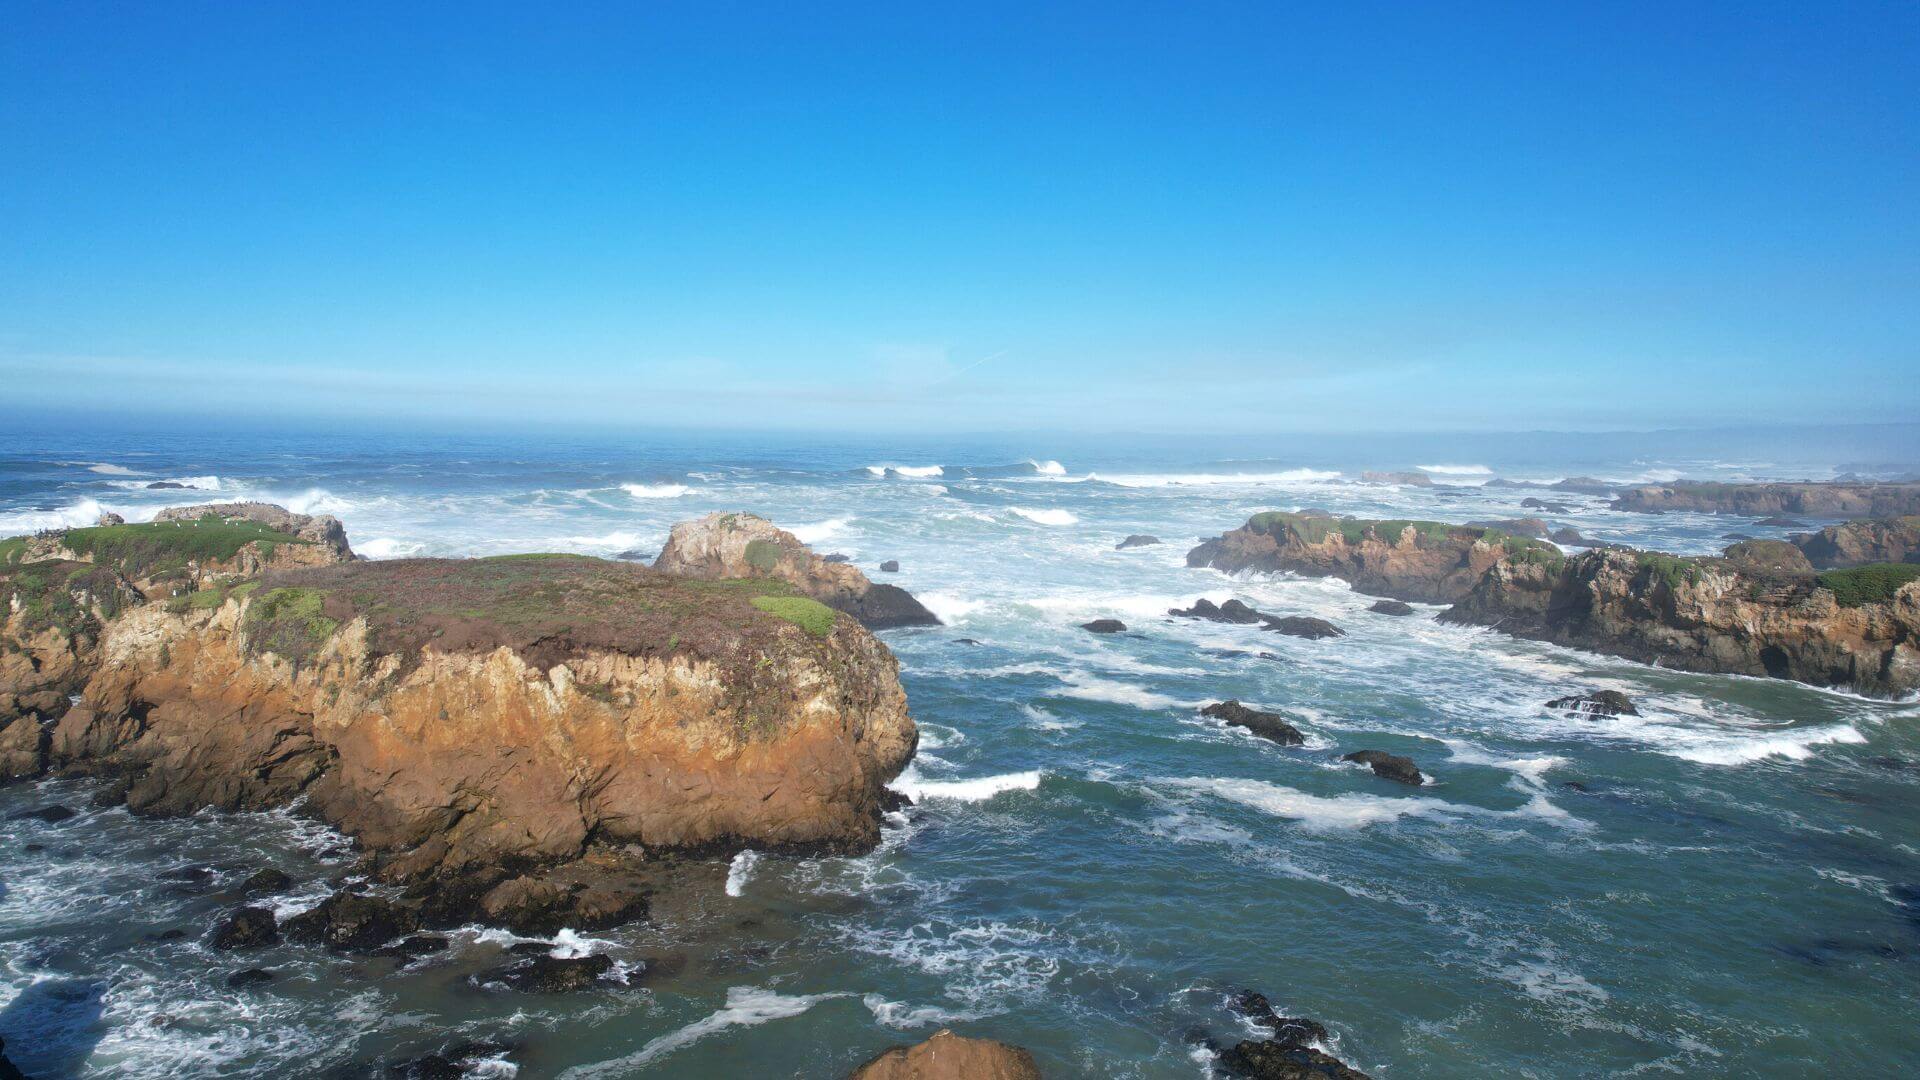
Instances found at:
x=511 y=739
x=1762 y=500
x=1760 y=609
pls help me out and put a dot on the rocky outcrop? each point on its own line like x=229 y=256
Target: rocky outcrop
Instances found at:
x=1289 y=1053
x=1267 y=725
x=1598 y=703
x=1235 y=612
x=504 y=736
x=1858 y=628
x=1569 y=537
x=1858 y=543
x=1406 y=479
x=1760 y=500
x=1531 y=527
x=52 y=615
x=721 y=546
x=1104 y=626
x=946 y=1056
x=323 y=530
x=1303 y=626
x=1768 y=557
x=1425 y=561
x=1136 y=540
x=1391 y=607
x=1387 y=766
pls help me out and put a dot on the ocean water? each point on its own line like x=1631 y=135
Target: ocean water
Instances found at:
x=1726 y=885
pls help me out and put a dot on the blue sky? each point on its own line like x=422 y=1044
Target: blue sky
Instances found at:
x=998 y=217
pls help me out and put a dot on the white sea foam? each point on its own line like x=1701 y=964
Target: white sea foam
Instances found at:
x=106 y=469
x=1047 y=517
x=656 y=491
x=196 y=483
x=1089 y=687
x=387 y=547
x=618 y=540
x=915 y=472
x=1048 y=468
x=746 y=1006
x=1288 y=478
x=1456 y=470
x=1315 y=811
x=84 y=512
x=819 y=531
x=904 y=1017
x=977 y=789
x=951 y=607
x=1737 y=750
x=1047 y=721
x=740 y=871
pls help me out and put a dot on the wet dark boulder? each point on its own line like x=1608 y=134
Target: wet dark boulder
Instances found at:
x=1303 y=626
x=1391 y=607
x=351 y=922
x=7 y=1071
x=240 y=980
x=245 y=928
x=884 y=607
x=1104 y=626
x=1388 y=766
x=550 y=974
x=266 y=880
x=1541 y=504
x=453 y=1063
x=1272 y=1059
x=1292 y=1030
x=1136 y=540
x=1233 y=611
x=891 y=566
x=51 y=814
x=166 y=485
x=1735 y=536
x=835 y=557
x=1583 y=485
x=1267 y=725
x=1568 y=536
x=1598 y=703
x=113 y=794
x=412 y=948
x=1532 y=527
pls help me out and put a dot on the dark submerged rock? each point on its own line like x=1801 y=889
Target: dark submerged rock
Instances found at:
x=1568 y=536
x=1599 y=703
x=245 y=928
x=452 y=1063
x=1136 y=540
x=1285 y=1056
x=1391 y=607
x=1265 y=724
x=551 y=974
x=114 y=794
x=1303 y=626
x=7 y=1071
x=1541 y=504
x=1388 y=766
x=349 y=922
x=1104 y=626
x=50 y=814
x=1233 y=611
x=891 y=566
x=266 y=880
x=1781 y=522
x=250 y=977
x=414 y=947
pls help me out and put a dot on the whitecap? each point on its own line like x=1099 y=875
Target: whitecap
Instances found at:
x=387 y=547
x=655 y=491
x=1090 y=687
x=1735 y=750
x=1456 y=470
x=914 y=472
x=79 y=514
x=1047 y=517
x=106 y=469
x=746 y=1006
x=978 y=789
x=1288 y=478
x=825 y=530
x=740 y=871
x=1048 y=468
x=904 y=1017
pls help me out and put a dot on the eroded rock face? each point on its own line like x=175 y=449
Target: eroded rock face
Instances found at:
x=946 y=1056
x=722 y=546
x=1759 y=500
x=1858 y=543
x=51 y=617
x=1764 y=557
x=1704 y=615
x=474 y=722
x=1424 y=561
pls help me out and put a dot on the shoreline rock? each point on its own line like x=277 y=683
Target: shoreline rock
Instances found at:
x=1387 y=766
x=946 y=1056
x=728 y=546
x=1856 y=500
x=1135 y=541
x=1267 y=725
x=1859 y=543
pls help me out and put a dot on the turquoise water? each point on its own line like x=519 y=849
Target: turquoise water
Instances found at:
x=1733 y=888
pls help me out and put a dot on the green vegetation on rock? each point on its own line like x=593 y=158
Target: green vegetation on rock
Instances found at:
x=1316 y=529
x=1671 y=570
x=1874 y=583
x=12 y=550
x=59 y=594
x=290 y=621
x=808 y=614
x=763 y=555
x=148 y=549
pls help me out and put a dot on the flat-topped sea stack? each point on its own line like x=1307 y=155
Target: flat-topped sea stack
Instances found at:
x=186 y=546
x=1858 y=627
x=1857 y=543
x=1423 y=561
x=722 y=546
x=1763 y=500
x=513 y=738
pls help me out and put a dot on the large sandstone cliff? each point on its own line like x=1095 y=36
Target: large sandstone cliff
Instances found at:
x=476 y=723
x=1425 y=561
x=746 y=546
x=1707 y=615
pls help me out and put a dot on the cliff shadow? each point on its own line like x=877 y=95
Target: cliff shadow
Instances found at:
x=52 y=1026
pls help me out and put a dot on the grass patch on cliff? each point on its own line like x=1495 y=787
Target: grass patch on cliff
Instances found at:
x=159 y=546
x=807 y=613
x=763 y=555
x=1316 y=529
x=1874 y=583
x=1673 y=571
x=60 y=594
x=12 y=550
x=291 y=622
